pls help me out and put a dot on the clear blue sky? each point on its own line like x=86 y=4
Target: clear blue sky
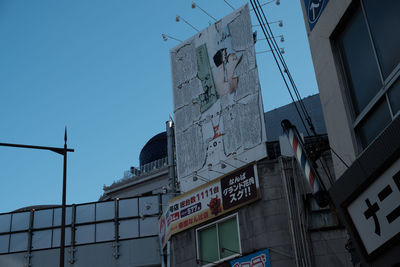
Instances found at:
x=102 y=69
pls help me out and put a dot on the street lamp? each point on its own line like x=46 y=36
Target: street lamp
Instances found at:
x=62 y=151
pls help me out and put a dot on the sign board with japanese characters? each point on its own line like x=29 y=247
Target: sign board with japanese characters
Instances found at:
x=375 y=213
x=218 y=110
x=210 y=200
x=257 y=259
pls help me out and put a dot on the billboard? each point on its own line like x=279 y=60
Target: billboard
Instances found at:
x=210 y=200
x=219 y=118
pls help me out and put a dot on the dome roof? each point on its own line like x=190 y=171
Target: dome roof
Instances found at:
x=155 y=148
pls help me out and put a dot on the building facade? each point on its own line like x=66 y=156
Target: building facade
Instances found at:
x=354 y=46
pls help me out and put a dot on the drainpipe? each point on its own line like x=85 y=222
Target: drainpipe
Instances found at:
x=291 y=222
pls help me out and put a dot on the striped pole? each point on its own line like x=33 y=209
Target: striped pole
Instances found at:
x=301 y=155
x=296 y=144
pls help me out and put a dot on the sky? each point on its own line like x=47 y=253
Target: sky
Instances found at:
x=101 y=69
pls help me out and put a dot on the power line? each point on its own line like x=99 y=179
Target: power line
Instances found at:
x=265 y=27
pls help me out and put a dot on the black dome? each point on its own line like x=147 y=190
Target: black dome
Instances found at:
x=155 y=148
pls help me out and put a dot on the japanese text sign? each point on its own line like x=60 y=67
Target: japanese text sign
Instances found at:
x=210 y=200
x=257 y=259
x=375 y=213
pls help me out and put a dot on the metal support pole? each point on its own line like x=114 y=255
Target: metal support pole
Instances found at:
x=64 y=196
x=61 y=151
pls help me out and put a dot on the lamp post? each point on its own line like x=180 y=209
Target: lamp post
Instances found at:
x=62 y=151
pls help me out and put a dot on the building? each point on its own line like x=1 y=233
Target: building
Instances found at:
x=354 y=46
x=122 y=228
x=282 y=226
x=150 y=178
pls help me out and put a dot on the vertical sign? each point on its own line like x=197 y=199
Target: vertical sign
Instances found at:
x=375 y=213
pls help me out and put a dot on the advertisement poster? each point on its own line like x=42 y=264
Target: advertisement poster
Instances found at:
x=209 y=201
x=218 y=110
x=257 y=259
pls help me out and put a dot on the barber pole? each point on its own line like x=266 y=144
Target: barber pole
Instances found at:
x=301 y=155
x=295 y=142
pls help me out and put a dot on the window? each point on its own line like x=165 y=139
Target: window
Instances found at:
x=218 y=241
x=368 y=47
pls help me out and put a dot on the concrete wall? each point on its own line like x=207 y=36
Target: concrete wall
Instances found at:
x=336 y=113
x=266 y=224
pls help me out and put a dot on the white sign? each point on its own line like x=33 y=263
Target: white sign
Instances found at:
x=219 y=117
x=376 y=212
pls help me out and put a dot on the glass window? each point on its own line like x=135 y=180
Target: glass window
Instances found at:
x=368 y=46
x=218 y=241
x=373 y=123
x=394 y=97
x=19 y=242
x=20 y=221
x=84 y=234
x=84 y=213
x=128 y=207
x=5 y=221
x=128 y=229
x=4 y=239
x=359 y=62
x=383 y=18
x=41 y=239
x=228 y=238
x=208 y=245
x=105 y=210
x=43 y=218
x=105 y=231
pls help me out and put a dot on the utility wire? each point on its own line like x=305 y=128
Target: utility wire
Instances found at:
x=269 y=34
x=262 y=19
x=273 y=51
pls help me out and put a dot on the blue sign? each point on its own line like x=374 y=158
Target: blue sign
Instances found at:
x=257 y=259
x=314 y=10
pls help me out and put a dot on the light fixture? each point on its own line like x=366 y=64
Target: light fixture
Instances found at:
x=179 y=18
x=166 y=37
x=280 y=23
x=194 y=5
